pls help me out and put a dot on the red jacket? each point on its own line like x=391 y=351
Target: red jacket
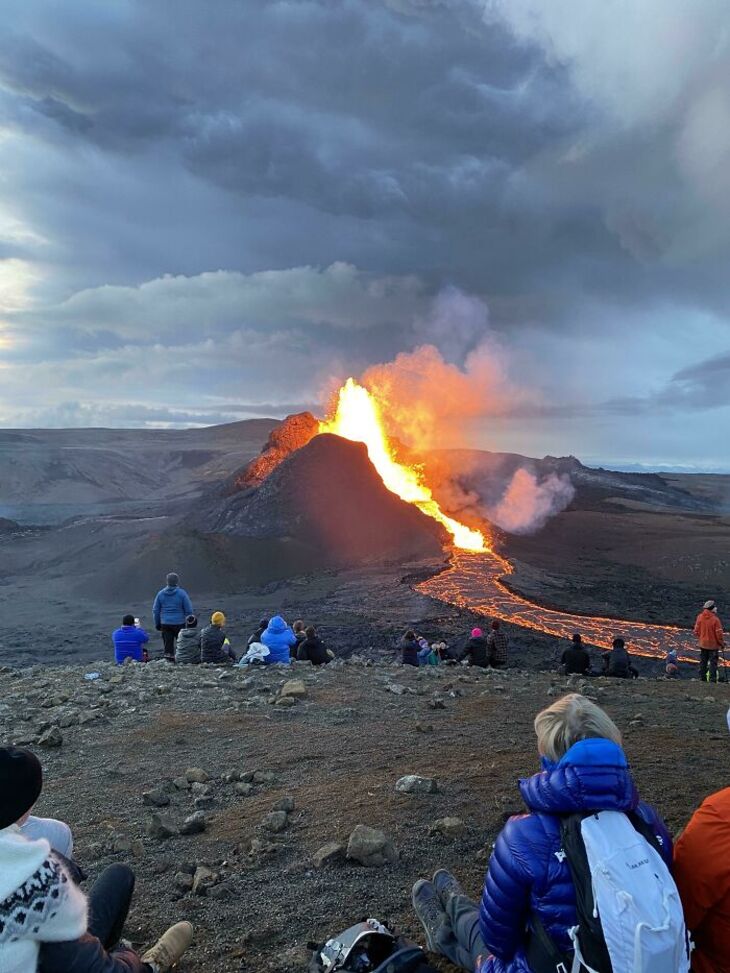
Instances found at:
x=702 y=873
x=709 y=630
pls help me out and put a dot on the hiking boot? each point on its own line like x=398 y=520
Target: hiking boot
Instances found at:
x=169 y=947
x=446 y=885
x=429 y=910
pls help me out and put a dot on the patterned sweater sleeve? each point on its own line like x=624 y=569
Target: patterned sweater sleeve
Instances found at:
x=59 y=910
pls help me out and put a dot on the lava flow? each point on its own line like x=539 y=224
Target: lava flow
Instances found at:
x=357 y=417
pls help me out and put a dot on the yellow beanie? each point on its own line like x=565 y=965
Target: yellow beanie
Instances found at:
x=218 y=618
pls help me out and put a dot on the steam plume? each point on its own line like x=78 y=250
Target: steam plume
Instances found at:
x=527 y=504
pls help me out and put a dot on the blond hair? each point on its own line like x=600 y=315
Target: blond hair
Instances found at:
x=569 y=720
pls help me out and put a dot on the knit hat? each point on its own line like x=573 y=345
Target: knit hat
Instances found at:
x=218 y=618
x=128 y=620
x=476 y=633
x=710 y=605
x=21 y=782
x=173 y=580
x=191 y=621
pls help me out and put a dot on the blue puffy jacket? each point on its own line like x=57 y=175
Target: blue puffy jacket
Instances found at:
x=172 y=606
x=278 y=639
x=128 y=641
x=526 y=874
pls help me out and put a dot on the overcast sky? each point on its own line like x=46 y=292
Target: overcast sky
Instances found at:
x=212 y=210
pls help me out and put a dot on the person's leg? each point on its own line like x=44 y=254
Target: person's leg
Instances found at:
x=452 y=930
x=704 y=660
x=169 y=634
x=57 y=834
x=109 y=901
x=713 y=666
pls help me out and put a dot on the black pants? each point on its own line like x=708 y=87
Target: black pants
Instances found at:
x=708 y=659
x=169 y=637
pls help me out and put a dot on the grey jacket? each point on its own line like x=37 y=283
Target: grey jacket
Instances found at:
x=187 y=648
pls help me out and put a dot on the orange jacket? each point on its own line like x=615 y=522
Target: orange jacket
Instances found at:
x=709 y=630
x=702 y=873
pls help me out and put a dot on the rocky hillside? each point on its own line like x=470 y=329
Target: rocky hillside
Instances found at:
x=242 y=799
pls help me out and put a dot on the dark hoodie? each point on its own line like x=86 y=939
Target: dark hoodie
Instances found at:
x=313 y=650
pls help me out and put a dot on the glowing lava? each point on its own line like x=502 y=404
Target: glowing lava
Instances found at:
x=358 y=418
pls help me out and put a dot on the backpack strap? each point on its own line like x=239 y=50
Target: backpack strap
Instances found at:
x=541 y=953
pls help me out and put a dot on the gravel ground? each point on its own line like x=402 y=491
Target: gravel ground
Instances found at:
x=337 y=752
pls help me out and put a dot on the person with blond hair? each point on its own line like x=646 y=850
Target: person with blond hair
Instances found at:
x=529 y=885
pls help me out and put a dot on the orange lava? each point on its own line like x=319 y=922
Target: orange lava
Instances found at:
x=474 y=582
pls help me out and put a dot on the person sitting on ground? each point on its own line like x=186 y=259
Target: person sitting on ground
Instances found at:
x=496 y=647
x=255 y=637
x=617 y=662
x=170 y=609
x=279 y=639
x=214 y=645
x=187 y=647
x=701 y=858
x=408 y=646
x=711 y=639
x=435 y=654
x=475 y=650
x=46 y=922
x=576 y=659
x=299 y=634
x=129 y=641
x=312 y=649
x=529 y=879
x=424 y=650
x=671 y=667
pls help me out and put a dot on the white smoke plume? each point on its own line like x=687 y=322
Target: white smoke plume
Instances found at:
x=528 y=504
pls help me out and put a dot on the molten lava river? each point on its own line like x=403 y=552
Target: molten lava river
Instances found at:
x=474 y=578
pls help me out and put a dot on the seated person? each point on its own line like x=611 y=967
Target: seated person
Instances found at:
x=187 y=644
x=312 y=649
x=214 y=645
x=617 y=662
x=46 y=923
x=671 y=666
x=299 y=634
x=584 y=769
x=409 y=648
x=576 y=659
x=129 y=641
x=256 y=636
x=475 y=650
x=496 y=646
x=279 y=639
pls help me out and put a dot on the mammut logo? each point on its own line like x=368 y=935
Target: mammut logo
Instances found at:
x=560 y=855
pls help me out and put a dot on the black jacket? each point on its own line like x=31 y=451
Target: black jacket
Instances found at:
x=87 y=955
x=212 y=639
x=617 y=663
x=313 y=650
x=576 y=659
x=409 y=651
x=475 y=651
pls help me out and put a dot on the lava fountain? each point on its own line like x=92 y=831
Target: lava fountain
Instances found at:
x=357 y=417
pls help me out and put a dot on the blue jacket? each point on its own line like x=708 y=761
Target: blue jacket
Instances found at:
x=525 y=873
x=172 y=606
x=278 y=639
x=128 y=641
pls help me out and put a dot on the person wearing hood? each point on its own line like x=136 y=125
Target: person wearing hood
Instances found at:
x=214 y=645
x=584 y=769
x=255 y=637
x=409 y=648
x=187 y=647
x=129 y=641
x=300 y=635
x=476 y=650
x=711 y=640
x=170 y=609
x=312 y=649
x=279 y=639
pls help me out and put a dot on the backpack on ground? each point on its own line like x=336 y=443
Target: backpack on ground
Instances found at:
x=630 y=917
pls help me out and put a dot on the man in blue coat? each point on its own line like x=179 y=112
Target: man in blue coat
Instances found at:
x=129 y=641
x=170 y=609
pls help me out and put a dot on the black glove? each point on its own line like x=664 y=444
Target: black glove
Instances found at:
x=158 y=626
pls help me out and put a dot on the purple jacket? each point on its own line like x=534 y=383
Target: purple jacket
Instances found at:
x=526 y=875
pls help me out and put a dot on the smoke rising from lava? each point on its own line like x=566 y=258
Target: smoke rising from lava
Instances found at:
x=528 y=504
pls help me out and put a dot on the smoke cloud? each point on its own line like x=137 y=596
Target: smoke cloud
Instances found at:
x=527 y=504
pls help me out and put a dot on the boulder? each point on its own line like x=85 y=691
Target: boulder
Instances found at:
x=328 y=854
x=285 y=804
x=449 y=827
x=196 y=775
x=294 y=688
x=203 y=879
x=155 y=797
x=275 y=821
x=195 y=824
x=243 y=790
x=370 y=847
x=160 y=826
x=51 y=738
x=413 y=784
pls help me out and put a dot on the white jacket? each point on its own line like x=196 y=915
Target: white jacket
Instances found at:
x=38 y=902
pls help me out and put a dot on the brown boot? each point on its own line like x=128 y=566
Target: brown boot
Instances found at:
x=169 y=947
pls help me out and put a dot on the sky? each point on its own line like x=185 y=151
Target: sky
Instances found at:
x=214 y=211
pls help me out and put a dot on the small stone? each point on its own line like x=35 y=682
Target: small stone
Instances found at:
x=181 y=783
x=137 y=848
x=183 y=881
x=204 y=803
x=328 y=854
x=196 y=775
x=285 y=701
x=195 y=824
x=264 y=777
x=450 y=827
x=203 y=879
x=370 y=847
x=275 y=821
x=51 y=738
x=413 y=784
x=396 y=689
x=202 y=790
x=437 y=702
x=294 y=688
x=155 y=797
x=243 y=790
x=232 y=776
x=160 y=826
x=286 y=804
x=424 y=727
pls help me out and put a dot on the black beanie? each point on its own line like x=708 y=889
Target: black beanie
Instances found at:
x=21 y=782
x=128 y=620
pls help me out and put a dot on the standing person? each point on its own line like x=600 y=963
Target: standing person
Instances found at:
x=187 y=647
x=129 y=641
x=496 y=646
x=475 y=650
x=170 y=609
x=279 y=639
x=409 y=648
x=711 y=639
x=214 y=645
x=529 y=884
x=312 y=649
x=576 y=659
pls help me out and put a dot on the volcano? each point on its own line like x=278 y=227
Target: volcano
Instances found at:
x=326 y=495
